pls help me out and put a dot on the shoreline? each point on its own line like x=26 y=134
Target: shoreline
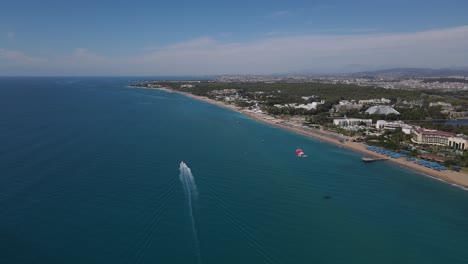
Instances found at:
x=458 y=179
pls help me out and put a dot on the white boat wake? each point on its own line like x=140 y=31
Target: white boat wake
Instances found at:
x=191 y=192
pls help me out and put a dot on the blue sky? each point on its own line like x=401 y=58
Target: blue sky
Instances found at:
x=216 y=37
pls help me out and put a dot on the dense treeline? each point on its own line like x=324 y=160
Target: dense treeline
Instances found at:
x=406 y=114
x=458 y=97
x=389 y=140
x=410 y=114
x=292 y=92
x=269 y=94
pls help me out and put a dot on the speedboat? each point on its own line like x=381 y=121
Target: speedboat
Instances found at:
x=182 y=163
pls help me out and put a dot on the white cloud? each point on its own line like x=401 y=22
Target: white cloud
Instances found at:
x=364 y=30
x=272 y=33
x=195 y=44
x=225 y=35
x=17 y=58
x=202 y=42
x=82 y=55
x=273 y=54
x=434 y=48
x=84 y=62
x=13 y=62
x=278 y=14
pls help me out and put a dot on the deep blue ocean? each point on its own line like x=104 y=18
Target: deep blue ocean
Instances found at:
x=89 y=173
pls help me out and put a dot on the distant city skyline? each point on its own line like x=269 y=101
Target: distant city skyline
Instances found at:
x=211 y=38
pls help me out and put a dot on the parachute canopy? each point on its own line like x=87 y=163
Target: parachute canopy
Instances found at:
x=299 y=152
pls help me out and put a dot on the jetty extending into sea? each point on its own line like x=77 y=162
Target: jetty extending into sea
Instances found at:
x=367 y=159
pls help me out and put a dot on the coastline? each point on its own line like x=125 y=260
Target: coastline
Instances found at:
x=452 y=177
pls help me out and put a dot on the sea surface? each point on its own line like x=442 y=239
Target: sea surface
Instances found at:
x=89 y=173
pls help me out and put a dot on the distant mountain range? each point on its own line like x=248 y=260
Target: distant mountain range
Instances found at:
x=412 y=73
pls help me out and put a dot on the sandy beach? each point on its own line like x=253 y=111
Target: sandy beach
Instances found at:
x=449 y=176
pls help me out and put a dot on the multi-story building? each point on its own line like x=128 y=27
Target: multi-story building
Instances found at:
x=375 y=101
x=431 y=137
x=443 y=104
x=440 y=138
x=351 y=122
x=459 y=142
x=382 y=124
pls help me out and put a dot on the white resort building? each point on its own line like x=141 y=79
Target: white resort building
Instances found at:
x=459 y=142
x=443 y=104
x=375 y=101
x=382 y=124
x=308 y=106
x=342 y=122
x=440 y=138
x=381 y=110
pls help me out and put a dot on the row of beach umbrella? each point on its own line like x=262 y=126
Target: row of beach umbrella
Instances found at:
x=386 y=152
x=428 y=164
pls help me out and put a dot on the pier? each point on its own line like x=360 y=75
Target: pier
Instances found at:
x=366 y=159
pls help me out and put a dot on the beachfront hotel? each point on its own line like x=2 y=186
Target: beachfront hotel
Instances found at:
x=382 y=124
x=440 y=138
x=459 y=142
x=342 y=122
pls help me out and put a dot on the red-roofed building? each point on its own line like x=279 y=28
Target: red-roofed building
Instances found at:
x=440 y=138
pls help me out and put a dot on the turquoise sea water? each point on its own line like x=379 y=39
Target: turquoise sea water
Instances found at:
x=89 y=173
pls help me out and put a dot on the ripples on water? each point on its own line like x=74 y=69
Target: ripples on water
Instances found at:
x=89 y=174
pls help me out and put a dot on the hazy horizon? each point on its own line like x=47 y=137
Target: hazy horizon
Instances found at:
x=162 y=39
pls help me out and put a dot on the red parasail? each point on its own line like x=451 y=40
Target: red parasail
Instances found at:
x=299 y=152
